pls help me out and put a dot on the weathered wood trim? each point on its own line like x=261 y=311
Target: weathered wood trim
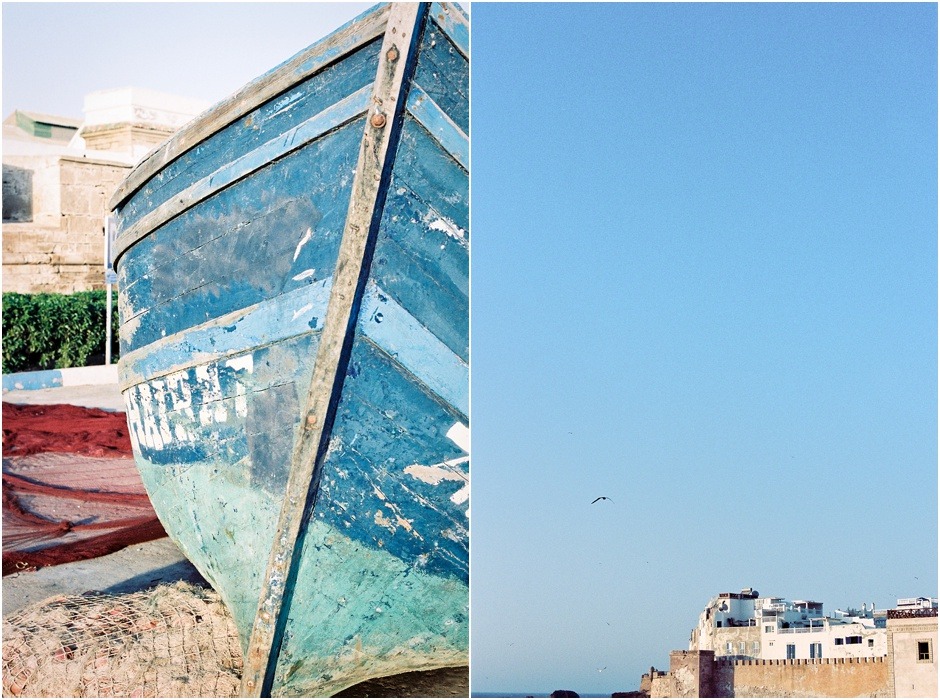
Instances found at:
x=450 y=136
x=454 y=22
x=313 y=59
x=333 y=117
x=371 y=181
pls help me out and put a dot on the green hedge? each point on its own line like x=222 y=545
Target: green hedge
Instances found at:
x=52 y=331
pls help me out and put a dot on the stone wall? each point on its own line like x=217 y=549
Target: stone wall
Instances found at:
x=700 y=674
x=62 y=253
x=690 y=676
x=802 y=678
x=910 y=632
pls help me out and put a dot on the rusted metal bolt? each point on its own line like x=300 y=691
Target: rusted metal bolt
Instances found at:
x=392 y=54
x=378 y=120
x=311 y=420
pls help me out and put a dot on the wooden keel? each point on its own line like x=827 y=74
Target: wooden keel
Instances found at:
x=396 y=63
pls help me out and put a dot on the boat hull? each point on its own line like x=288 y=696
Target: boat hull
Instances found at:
x=230 y=261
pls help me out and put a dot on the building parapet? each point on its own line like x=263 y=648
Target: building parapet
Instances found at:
x=730 y=661
x=911 y=612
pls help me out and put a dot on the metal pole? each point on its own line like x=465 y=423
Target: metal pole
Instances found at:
x=107 y=338
x=109 y=279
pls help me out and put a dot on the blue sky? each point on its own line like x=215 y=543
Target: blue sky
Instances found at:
x=704 y=285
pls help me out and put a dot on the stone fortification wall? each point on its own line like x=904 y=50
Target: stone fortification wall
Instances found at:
x=802 y=678
x=690 y=676
x=62 y=251
x=701 y=674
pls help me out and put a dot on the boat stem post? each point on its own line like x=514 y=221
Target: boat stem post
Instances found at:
x=362 y=220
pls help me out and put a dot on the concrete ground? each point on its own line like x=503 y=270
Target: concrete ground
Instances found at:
x=104 y=396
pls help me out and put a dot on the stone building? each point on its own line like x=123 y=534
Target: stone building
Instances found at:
x=854 y=653
x=60 y=173
x=912 y=646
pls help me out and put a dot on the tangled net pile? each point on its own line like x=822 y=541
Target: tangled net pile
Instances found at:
x=170 y=641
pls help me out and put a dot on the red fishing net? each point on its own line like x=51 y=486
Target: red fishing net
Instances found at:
x=70 y=487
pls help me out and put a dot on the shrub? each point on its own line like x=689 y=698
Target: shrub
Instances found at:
x=52 y=331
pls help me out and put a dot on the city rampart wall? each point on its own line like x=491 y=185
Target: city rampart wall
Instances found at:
x=802 y=678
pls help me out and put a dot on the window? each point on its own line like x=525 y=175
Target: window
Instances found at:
x=791 y=651
x=815 y=650
x=871 y=643
x=755 y=648
x=924 y=651
x=729 y=648
x=839 y=641
x=768 y=628
x=742 y=647
x=853 y=640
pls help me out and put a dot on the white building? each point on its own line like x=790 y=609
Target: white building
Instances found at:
x=747 y=626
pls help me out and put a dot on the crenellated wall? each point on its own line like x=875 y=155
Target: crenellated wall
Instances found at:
x=701 y=674
x=802 y=678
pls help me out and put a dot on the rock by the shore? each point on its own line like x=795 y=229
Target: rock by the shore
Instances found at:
x=564 y=694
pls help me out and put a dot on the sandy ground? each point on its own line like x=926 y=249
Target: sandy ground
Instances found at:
x=130 y=569
x=145 y=565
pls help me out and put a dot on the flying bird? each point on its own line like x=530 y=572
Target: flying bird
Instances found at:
x=601 y=498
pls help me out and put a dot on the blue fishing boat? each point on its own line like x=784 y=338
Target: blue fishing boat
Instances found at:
x=293 y=276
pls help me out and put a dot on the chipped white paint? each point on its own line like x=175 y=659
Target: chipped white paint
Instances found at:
x=436 y=222
x=304 y=275
x=448 y=470
x=285 y=102
x=301 y=311
x=245 y=363
x=305 y=239
x=459 y=434
x=160 y=413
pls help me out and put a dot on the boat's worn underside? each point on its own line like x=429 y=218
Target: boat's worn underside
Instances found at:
x=233 y=258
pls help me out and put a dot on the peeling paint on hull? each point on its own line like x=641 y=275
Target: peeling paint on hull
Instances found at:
x=228 y=261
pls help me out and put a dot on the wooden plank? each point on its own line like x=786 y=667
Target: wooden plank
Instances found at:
x=454 y=22
x=414 y=347
x=269 y=120
x=331 y=118
x=347 y=38
x=372 y=174
x=444 y=74
x=269 y=234
x=290 y=214
x=274 y=320
x=451 y=137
